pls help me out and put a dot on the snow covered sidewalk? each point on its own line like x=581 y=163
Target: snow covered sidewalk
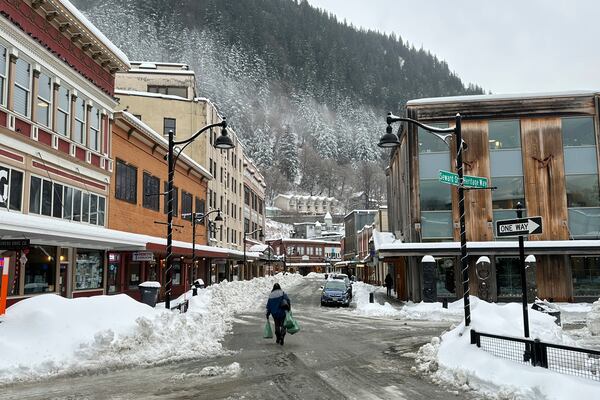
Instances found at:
x=48 y=335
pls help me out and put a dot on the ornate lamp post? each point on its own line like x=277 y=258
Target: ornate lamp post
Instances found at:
x=222 y=142
x=261 y=237
x=390 y=140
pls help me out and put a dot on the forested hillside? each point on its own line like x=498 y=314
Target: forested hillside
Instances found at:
x=306 y=92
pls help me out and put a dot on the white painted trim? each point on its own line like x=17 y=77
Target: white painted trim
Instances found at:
x=12 y=36
x=11 y=121
x=72 y=149
x=55 y=142
x=34 y=132
x=50 y=158
x=88 y=156
x=103 y=163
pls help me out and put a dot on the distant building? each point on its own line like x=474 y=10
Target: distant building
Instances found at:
x=306 y=255
x=304 y=204
x=354 y=222
x=317 y=230
x=254 y=204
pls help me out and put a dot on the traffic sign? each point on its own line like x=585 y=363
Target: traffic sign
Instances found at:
x=451 y=178
x=14 y=244
x=519 y=227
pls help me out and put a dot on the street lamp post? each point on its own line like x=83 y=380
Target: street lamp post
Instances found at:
x=259 y=238
x=222 y=142
x=197 y=218
x=390 y=140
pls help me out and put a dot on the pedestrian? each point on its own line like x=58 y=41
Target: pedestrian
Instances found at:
x=389 y=282
x=277 y=304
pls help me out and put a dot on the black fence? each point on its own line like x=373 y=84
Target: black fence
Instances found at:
x=564 y=359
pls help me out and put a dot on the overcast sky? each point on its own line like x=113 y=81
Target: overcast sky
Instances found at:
x=506 y=46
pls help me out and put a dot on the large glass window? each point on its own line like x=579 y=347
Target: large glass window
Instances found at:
x=79 y=133
x=581 y=177
x=180 y=91
x=89 y=269
x=68 y=203
x=508 y=276
x=134 y=271
x=446 y=279
x=435 y=197
x=151 y=192
x=22 y=87
x=506 y=168
x=11 y=189
x=63 y=110
x=95 y=137
x=44 y=100
x=126 y=186
x=586 y=276
x=40 y=270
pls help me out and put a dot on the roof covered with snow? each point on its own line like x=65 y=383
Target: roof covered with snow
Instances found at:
x=500 y=97
x=148 y=94
x=382 y=238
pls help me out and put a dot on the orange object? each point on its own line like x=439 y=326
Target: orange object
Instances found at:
x=4 y=264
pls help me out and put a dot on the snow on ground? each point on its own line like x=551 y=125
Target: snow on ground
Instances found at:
x=48 y=335
x=453 y=359
x=360 y=296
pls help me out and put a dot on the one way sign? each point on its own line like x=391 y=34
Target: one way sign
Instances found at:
x=519 y=227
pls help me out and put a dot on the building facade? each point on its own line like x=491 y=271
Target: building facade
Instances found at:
x=56 y=99
x=254 y=205
x=304 y=204
x=540 y=150
x=305 y=255
x=354 y=222
x=163 y=96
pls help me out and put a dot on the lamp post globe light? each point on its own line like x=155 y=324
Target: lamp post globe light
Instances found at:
x=390 y=140
x=261 y=237
x=223 y=142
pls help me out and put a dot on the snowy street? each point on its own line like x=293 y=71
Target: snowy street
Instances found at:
x=337 y=354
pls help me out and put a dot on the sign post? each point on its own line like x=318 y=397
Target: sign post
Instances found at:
x=4 y=265
x=521 y=227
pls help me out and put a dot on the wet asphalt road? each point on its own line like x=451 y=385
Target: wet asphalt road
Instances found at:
x=337 y=355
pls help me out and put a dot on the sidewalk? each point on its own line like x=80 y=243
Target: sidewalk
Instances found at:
x=381 y=297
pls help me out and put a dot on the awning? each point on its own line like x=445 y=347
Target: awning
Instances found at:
x=58 y=232
x=541 y=247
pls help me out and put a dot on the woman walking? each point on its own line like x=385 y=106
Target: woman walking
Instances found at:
x=277 y=304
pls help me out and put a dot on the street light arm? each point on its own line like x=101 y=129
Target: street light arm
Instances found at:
x=391 y=118
x=191 y=139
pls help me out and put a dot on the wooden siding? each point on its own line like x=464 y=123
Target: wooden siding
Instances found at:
x=553 y=277
x=543 y=164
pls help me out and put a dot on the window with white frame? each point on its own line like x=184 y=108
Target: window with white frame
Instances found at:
x=11 y=188
x=95 y=136
x=63 y=110
x=3 y=69
x=44 y=100
x=61 y=201
x=22 y=87
x=80 y=115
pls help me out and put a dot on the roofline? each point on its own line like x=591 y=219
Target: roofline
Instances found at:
x=502 y=97
x=131 y=120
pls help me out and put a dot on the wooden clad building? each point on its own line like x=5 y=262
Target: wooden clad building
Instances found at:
x=540 y=150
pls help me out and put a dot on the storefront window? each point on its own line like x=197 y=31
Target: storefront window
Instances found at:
x=134 y=275
x=586 y=276
x=508 y=277
x=40 y=270
x=176 y=272
x=446 y=285
x=89 y=270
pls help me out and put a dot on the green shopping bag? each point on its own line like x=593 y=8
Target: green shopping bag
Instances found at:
x=290 y=323
x=268 y=332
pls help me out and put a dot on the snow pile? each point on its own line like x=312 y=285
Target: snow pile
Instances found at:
x=593 y=319
x=231 y=370
x=434 y=311
x=48 y=335
x=454 y=360
x=315 y=275
x=360 y=295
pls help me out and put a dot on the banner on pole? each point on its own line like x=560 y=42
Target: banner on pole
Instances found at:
x=4 y=265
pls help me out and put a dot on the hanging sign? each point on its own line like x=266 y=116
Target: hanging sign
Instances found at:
x=14 y=244
x=143 y=256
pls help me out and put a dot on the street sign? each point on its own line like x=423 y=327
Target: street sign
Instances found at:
x=519 y=227
x=14 y=244
x=478 y=182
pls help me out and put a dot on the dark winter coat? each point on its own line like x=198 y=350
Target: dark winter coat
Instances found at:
x=389 y=282
x=274 y=304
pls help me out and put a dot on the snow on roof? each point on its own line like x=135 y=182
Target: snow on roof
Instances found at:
x=148 y=94
x=381 y=238
x=497 y=97
x=159 y=138
x=503 y=244
x=95 y=31
x=296 y=240
x=161 y=71
x=328 y=216
x=259 y=248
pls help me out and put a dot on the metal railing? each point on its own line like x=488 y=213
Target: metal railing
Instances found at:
x=568 y=360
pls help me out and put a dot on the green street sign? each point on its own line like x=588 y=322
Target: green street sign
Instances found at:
x=451 y=178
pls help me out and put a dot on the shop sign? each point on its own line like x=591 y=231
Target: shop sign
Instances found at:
x=114 y=257
x=14 y=244
x=143 y=256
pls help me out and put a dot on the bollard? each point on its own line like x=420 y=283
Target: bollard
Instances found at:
x=371 y=297
x=445 y=302
x=194 y=291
